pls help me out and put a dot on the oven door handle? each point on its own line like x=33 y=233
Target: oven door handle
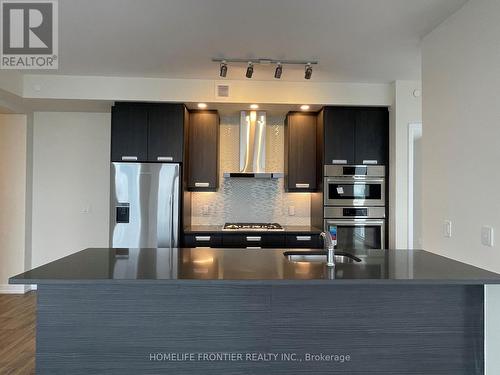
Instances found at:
x=354 y=179
x=355 y=222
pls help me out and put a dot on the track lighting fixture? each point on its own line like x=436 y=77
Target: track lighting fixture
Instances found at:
x=278 y=71
x=224 y=61
x=249 y=70
x=223 y=68
x=309 y=71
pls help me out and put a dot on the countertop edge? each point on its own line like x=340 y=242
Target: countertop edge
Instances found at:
x=193 y=282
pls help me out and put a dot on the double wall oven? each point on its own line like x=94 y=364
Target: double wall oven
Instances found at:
x=354 y=205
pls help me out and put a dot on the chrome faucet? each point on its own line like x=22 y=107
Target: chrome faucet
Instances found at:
x=330 y=248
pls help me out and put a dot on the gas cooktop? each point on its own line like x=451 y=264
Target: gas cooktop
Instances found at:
x=252 y=226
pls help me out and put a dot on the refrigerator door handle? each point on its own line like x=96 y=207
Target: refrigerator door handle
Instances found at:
x=171 y=204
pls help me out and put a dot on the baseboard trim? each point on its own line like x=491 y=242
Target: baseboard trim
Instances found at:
x=14 y=289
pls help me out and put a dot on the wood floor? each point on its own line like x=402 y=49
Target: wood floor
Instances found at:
x=17 y=333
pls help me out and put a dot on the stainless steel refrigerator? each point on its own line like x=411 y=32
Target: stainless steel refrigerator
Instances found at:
x=145 y=205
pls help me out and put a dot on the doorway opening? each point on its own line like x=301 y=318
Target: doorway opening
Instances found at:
x=414 y=185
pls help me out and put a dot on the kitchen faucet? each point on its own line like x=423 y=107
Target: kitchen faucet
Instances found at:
x=330 y=248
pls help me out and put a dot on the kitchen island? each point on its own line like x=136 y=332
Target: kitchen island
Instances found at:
x=235 y=311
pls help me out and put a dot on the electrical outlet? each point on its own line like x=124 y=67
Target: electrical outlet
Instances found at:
x=205 y=210
x=447 y=228
x=487 y=236
x=291 y=210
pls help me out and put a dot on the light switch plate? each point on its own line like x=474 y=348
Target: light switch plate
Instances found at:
x=205 y=210
x=487 y=236
x=291 y=210
x=447 y=228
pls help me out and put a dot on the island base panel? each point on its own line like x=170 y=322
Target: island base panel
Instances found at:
x=132 y=328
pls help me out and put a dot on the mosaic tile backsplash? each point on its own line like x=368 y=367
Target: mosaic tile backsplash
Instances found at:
x=248 y=199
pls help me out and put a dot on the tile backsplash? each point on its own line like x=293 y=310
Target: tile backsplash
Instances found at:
x=249 y=199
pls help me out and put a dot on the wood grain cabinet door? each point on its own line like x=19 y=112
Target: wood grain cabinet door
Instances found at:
x=129 y=132
x=340 y=130
x=300 y=152
x=166 y=133
x=203 y=151
x=372 y=136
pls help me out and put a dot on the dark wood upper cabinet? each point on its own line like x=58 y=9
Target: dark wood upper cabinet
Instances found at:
x=300 y=152
x=340 y=129
x=129 y=132
x=147 y=132
x=356 y=135
x=203 y=151
x=372 y=136
x=166 y=134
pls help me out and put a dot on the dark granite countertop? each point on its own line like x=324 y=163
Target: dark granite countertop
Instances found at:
x=218 y=229
x=269 y=266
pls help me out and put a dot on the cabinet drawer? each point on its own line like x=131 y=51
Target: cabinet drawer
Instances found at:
x=203 y=240
x=303 y=240
x=249 y=240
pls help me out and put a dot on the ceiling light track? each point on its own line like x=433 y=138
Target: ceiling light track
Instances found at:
x=262 y=61
x=223 y=65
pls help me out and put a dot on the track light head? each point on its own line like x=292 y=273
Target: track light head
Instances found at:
x=223 y=69
x=308 y=71
x=278 y=71
x=249 y=70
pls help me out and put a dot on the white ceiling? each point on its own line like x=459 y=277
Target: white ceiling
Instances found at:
x=354 y=40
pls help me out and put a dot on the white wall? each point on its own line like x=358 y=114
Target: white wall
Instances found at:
x=461 y=148
x=461 y=79
x=406 y=109
x=70 y=174
x=13 y=141
x=492 y=329
x=48 y=86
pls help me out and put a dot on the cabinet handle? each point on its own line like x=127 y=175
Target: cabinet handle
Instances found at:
x=335 y=161
x=303 y=238
x=253 y=238
x=304 y=186
x=202 y=238
x=164 y=158
x=202 y=184
x=129 y=158
x=370 y=161
x=254 y=247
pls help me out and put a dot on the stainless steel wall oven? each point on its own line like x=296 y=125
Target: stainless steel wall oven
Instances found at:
x=354 y=205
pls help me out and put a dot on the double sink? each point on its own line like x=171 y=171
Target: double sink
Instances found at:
x=319 y=256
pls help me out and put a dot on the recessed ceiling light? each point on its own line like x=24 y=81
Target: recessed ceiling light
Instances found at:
x=254 y=106
x=304 y=107
x=202 y=105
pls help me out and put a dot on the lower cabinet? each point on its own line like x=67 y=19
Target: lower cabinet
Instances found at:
x=302 y=241
x=203 y=240
x=253 y=240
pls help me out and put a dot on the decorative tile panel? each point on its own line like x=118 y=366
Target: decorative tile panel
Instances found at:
x=249 y=199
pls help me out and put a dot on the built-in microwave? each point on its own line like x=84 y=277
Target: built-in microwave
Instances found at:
x=354 y=185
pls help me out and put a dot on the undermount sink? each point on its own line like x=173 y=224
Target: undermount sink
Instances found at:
x=319 y=257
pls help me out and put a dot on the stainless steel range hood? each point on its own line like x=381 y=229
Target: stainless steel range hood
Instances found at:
x=253 y=147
